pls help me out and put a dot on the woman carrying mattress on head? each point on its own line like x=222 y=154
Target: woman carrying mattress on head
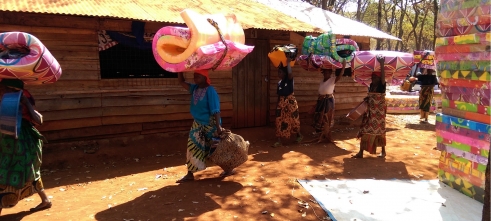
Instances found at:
x=205 y=109
x=287 y=115
x=324 y=109
x=428 y=81
x=372 y=129
x=20 y=159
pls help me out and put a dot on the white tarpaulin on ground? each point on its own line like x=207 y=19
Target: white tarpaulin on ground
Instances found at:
x=389 y=200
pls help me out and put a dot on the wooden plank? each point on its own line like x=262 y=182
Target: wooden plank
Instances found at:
x=68 y=104
x=80 y=75
x=154 y=117
x=75 y=55
x=72 y=114
x=92 y=131
x=88 y=65
x=70 y=124
x=167 y=124
x=250 y=89
x=153 y=100
x=154 y=109
x=47 y=36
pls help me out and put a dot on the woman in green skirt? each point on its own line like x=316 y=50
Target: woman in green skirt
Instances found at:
x=20 y=159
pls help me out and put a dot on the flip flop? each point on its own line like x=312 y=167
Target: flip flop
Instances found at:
x=225 y=174
x=185 y=179
x=357 y=156
x=299 y=139
x=47 y=206
x=277 y=144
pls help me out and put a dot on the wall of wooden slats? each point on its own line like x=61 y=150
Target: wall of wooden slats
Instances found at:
x=82 y=106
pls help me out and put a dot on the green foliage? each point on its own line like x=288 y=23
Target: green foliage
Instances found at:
x=416 y=29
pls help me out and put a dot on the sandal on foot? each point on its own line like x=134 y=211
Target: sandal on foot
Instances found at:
x=185 y=179
x=39 y=208
x=299 y=139
x=277 y=144
x=357 y=156
x=226 y=174
x=381 y=156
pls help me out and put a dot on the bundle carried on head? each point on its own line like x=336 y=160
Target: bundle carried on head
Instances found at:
x=279 y=54
x=326 y=52
x=210 y=42
x=231 y=151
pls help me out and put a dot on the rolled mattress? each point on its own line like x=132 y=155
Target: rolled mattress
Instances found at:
x=24 y=57
x=199 y=46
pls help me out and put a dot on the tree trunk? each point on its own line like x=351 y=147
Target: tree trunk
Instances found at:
x=358 y=10
x=379 y=22
x=400 y=44
x=419 y=38
x=435 y=11
x=324 y=4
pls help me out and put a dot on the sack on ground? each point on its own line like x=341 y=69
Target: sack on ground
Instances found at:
x=231 y=151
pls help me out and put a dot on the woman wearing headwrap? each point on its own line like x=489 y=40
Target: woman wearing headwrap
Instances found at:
x=205 y=109
x=20 y=159
x=428 y=81
x=372 y=129
x=287 y=115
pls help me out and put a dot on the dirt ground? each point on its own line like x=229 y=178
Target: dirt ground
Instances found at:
x=134 y=179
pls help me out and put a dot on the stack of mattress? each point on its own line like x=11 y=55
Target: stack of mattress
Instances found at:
x=326 y=52
x=208 y=42
x=462 y=51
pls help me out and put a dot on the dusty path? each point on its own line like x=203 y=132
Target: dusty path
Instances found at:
x=135 y=179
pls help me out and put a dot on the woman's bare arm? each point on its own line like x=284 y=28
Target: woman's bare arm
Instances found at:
x=182 y=81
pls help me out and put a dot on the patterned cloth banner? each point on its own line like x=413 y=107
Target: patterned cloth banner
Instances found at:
x=464 y=13
x=460 y=153
x=469 y=48
x=454 y=5
x=464 y=30
x=459 y=105
x=480 y=38
x=105 y=40
x=467 y=75
x=459 y=183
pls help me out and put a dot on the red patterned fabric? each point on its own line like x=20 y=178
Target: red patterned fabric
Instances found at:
x=372 y=130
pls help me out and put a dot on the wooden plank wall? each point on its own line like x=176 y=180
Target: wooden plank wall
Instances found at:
x=347 y=94
x=83 y=106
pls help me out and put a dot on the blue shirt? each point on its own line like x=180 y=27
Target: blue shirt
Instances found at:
x=204 y=103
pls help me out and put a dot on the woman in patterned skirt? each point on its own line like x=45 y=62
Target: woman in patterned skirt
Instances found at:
x=205 y=109
x=428 y=81
x=287 y=115
x=372 y=130
x=324 y=109
x=20 y=158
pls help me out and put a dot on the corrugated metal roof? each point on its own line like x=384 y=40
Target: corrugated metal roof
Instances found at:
x=288 y=15
x=326 y=20
x=250 y=13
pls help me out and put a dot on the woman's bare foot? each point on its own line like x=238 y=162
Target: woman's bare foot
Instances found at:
x=188 y=177
x=42 y=206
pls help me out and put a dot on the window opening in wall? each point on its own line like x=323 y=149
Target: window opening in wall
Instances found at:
x=121 y=61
